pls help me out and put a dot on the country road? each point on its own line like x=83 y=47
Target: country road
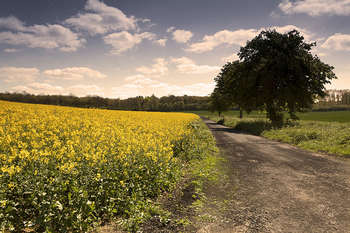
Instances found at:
x=280 y=188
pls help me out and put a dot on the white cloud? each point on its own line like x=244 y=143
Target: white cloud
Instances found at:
x=238 y=37
x=182 y=36
x=209 y=42
x=48 y=36
x=11 y=50
x=140 y=79
x=146 y=23
x=123 y=41
x=89 y=22
x=126 y=91
x=197 y=89
x=338 y=41
x=145 y=20
x=142 y=86
x=233 y=57
x=49 y=89
x=84 y=90
x=74 y=73
x=18 y=74
x=161 y=42
x=102 y=19
x=285 y=29
x=12 y=23
x=134 y=77
x=275 y=15
x=187 y=66
x=159 y=68
x=144 y=81
x=39 y=88
x=316 y=7
x=27 y=77
x=170 y=29
x=322 y=54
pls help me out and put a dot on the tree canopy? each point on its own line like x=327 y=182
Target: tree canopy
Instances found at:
x=218 y=102
x=276 y=72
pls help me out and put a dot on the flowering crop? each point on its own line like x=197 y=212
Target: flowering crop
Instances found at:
x=62 y=168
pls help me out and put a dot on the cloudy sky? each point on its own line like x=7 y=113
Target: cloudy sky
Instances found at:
x=123 y=48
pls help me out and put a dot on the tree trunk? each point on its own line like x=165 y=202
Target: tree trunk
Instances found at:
x=240 y=113
x=275 y=116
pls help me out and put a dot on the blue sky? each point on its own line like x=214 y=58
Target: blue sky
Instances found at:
x=123 y=48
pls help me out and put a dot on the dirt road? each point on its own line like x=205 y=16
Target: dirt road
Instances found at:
x=279 y=188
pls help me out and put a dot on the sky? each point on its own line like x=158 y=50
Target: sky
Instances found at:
x=126 y=48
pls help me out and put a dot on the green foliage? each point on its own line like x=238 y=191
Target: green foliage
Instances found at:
x=218 y=102
x=276 y=73
x=52 y=201
x=230 y=83
x=204 y=167
x=169 y=103
x=254 y=126
x=330 y=137
x=195 y=146
x=177 y=210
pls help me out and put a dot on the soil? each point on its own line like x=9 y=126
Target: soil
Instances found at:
x=275 y=187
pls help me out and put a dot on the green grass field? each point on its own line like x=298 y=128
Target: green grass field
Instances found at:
x=316 y=131
x=334 y=116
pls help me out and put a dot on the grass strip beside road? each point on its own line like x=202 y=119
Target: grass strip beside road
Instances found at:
x=327 y=116
x=179 y=209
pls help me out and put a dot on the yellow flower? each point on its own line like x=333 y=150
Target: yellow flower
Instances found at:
x=68 y=139
x=11 y=185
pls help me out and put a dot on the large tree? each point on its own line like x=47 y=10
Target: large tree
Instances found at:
x=277 y=72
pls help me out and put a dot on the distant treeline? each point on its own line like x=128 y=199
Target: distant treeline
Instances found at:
x=329 y=106
x=336 y=100
x=337 y=97
x=169 y=103
x=152 y=103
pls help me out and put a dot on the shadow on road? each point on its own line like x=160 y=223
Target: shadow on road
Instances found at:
x=252 y=127
x=214 y=128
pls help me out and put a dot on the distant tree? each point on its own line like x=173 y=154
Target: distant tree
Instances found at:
x=151 y=103
x=230 y=82
x=219 y=102
x=345 y=97
x=277 y=73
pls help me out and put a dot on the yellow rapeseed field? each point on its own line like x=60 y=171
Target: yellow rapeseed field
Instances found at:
x=63 y=168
